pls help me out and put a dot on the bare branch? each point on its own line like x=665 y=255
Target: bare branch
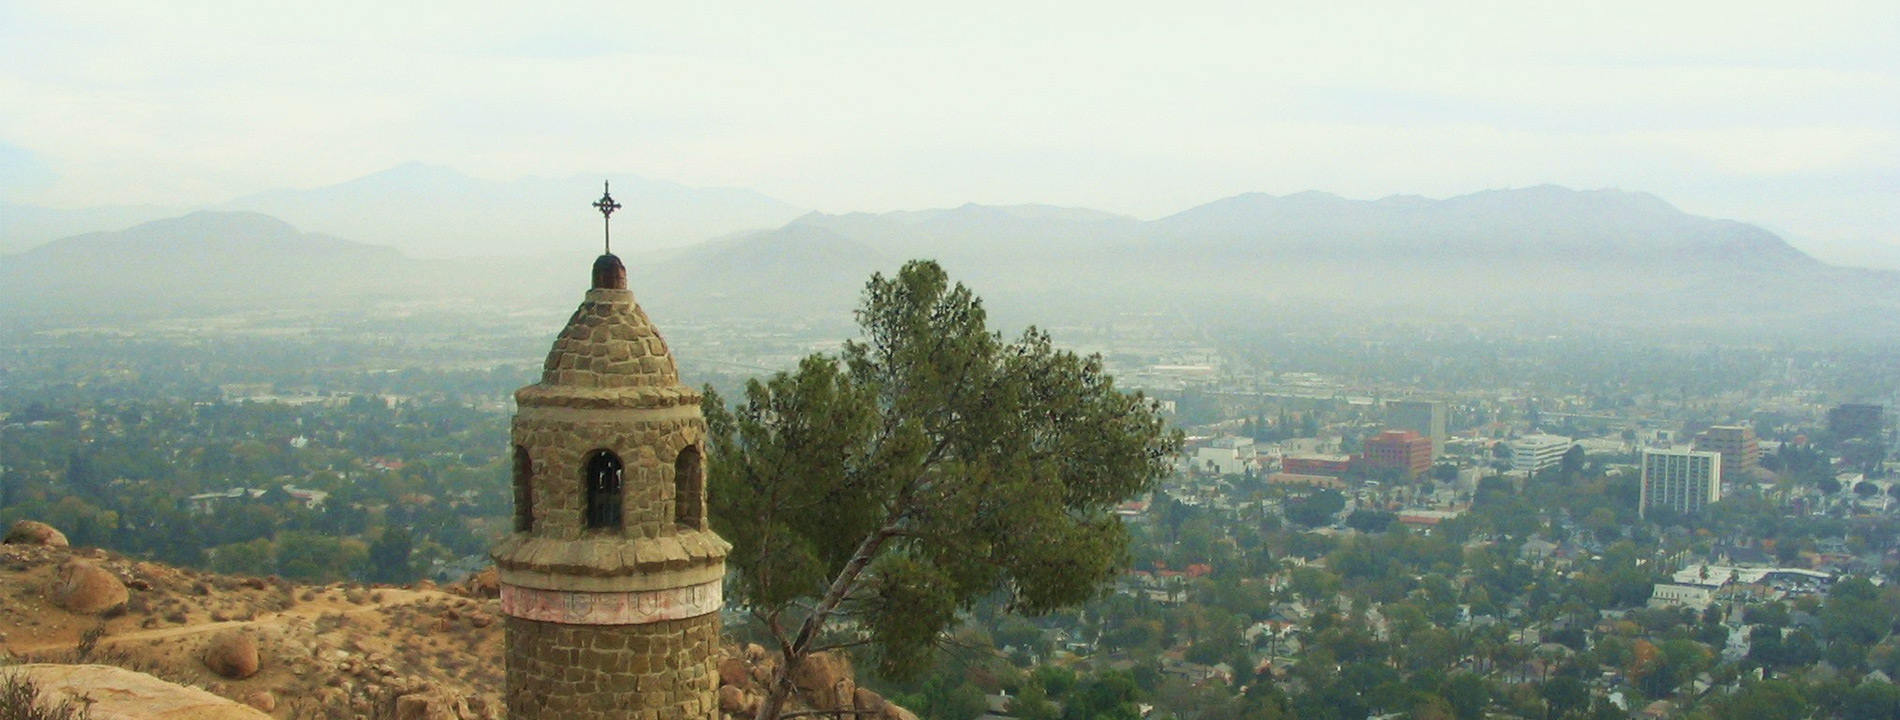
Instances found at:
x=841 y=645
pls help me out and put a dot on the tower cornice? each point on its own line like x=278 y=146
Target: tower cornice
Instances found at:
x=612 y=563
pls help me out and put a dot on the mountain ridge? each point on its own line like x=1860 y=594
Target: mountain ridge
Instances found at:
x=1545 y=249
x=1524 y=251
x=439 y=212
x=203 y=260
x=228 y=230
x=435 y=211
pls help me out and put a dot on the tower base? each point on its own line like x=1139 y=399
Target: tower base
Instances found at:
x=597 y=672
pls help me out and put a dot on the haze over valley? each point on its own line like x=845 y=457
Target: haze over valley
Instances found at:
x=417 y=233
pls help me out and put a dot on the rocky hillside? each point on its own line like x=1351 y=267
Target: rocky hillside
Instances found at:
x=285 y=649
x=419 y=652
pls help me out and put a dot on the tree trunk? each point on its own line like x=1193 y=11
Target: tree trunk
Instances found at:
x=778 y=692
x=801 y=645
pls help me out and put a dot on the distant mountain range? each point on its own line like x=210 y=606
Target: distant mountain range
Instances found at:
x=24 y=227
x=204 y=261
x=435 y=212
x=1612 y=256
x=1538 y=253
x=431 y=211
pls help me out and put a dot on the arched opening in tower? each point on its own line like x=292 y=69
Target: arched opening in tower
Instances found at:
x=524 y=491
x=689 y=489
x=604 y=479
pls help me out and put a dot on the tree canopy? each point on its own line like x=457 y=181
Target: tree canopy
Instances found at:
x=930 y=464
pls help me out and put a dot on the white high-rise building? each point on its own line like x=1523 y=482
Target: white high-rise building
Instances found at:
x=1681 y=479
x=1532 y=453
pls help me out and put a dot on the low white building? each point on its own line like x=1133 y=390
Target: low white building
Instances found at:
x=1725 y=574
x=312 y=499
x=1229 y=455
x=1696 y=586
x=204 y=503
x=1532 y=453
x=1678 y=595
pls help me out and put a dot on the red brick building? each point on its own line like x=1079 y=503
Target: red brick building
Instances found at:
x=1404 y=450
x=1330 y=465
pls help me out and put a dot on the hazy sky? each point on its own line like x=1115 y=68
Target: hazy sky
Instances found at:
x=1786 y=114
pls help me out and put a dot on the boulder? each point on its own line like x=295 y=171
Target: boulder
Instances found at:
x=484 y=584
x=764 y=670
x=867 y=699
x=892 y=712
x=412 y=707
x=29 y=532
x=262 y=700
x=118 y=694
x=731 y=700
x=733 y=672
x=429 y=705
x=87 y=589
x=825 y=680
x=232 y=654
x=482 y=706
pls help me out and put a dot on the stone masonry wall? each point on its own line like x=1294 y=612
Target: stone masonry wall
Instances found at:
x=657 y=671
x=646 y=447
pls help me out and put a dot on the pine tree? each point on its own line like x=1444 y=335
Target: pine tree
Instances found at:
x=929 y=465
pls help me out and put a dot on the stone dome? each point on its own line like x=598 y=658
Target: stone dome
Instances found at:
x=608 y=343
x=609 y=355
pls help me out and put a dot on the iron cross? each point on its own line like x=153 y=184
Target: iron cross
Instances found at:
x=606 y=206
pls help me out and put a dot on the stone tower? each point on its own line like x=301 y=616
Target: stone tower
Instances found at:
x=611 y=579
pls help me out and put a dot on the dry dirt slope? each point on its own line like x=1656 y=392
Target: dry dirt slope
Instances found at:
x=320 y=651
x=330 y=651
